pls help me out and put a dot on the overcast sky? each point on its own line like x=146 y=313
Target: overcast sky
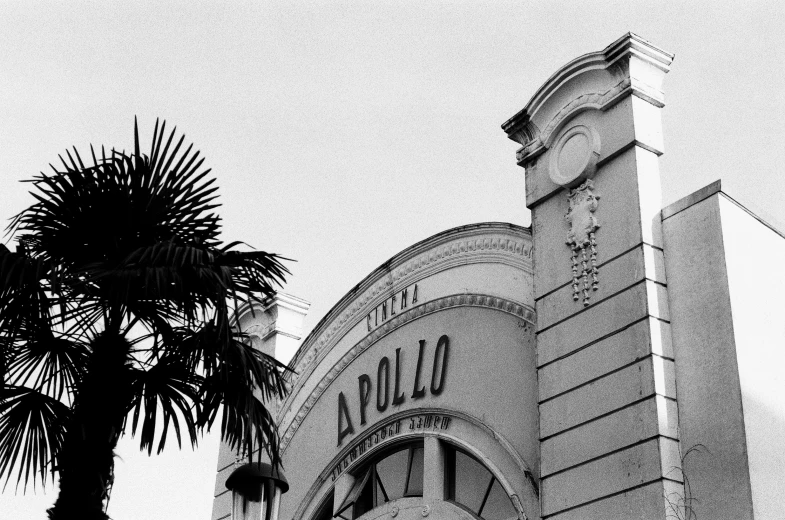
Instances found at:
x=341 y=133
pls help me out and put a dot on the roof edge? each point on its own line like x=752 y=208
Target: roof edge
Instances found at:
x=630 y=44
x=393 y=262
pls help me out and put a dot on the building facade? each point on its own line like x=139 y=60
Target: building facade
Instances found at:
x=612 y=362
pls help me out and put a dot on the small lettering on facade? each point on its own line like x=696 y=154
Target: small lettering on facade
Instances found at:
x=427 y=422
x=391 y=306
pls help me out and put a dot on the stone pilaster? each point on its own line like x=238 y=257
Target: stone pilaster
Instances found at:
x=591 y=137
x=275 y=328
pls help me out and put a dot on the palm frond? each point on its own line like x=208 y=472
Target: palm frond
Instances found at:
x=24 y=303
x=50 y=365
x=246 y=423
x=240 y=379
x=32 y=428
x=169 y=386
x=118 y=205
x=119 y=264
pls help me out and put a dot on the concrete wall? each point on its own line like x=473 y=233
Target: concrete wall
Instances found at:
x=755 y=259
x=724 y=273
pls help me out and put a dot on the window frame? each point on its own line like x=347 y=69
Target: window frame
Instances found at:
x=367 y=475
x=450 y=480
x=369 y=492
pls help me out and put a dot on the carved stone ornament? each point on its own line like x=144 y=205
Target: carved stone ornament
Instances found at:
x=583 y=224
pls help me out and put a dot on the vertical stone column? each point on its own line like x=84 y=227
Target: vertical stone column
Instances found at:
x=433 y=470
x=591 y=139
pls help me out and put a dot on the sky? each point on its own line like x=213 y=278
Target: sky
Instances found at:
x=343 y=132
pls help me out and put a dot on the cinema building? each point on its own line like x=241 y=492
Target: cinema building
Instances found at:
x=618 y=360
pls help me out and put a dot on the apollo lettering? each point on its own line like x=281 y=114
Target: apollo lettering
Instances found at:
x=387 y=388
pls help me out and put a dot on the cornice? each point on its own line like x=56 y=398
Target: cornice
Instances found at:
x=595 y=100
x=491 y=242
x=632 y=44
x=459 y=300
x=280 y=299
x=524 y=126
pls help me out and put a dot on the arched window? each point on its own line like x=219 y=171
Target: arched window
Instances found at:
x=398 y=473
x=325 y=510
x=395 y=474
x=471 y=485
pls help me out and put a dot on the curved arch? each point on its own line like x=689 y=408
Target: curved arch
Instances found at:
x=595 y=101
x=547 y=110
x=483 y=266
x=468 y=432
x=495 y=242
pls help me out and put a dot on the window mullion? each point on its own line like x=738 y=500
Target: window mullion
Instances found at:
x=381 y=485
x=408 y=472
x=487 y=494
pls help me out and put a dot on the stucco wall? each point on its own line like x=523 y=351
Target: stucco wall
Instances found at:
x=724 y=271
x=486 y=377
x=755 y=261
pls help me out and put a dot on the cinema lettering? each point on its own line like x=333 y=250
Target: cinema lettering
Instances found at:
x=398 y=302
x=387 y=389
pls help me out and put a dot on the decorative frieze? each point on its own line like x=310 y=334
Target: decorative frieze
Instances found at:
x=472 y=249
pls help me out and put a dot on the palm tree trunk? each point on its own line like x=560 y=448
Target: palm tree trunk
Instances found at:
x=86 y=461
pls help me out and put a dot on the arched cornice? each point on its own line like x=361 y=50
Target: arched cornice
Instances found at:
x=611 y=71
x=592 y=101
x=492 y=242
x=458 y=300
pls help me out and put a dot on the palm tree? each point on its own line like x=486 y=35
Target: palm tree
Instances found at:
x=116 y=315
